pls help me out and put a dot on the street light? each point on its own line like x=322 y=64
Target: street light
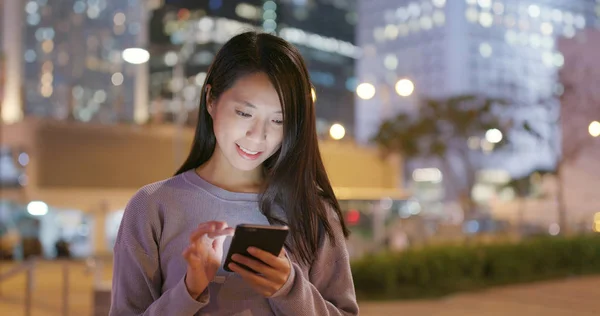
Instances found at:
x=594 y=129
x=337 y=131
x=135 y=56
x=365 y=91
x=37 y=208
x=493 y=136
x=404 y=87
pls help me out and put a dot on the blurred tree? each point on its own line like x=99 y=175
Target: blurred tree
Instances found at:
x=452 y=130
x=524 y=188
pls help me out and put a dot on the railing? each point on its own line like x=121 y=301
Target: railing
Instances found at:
x=28 y=267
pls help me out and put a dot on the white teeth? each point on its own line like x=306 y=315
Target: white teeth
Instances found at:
x=248 y=151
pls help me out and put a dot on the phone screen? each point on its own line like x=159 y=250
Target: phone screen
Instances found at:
x=267 y=238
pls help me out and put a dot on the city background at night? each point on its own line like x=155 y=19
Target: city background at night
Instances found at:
x=449 y=129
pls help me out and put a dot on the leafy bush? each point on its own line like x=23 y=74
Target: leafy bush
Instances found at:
x=440 y=270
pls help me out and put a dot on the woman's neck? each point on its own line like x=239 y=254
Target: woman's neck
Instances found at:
x=219 y=172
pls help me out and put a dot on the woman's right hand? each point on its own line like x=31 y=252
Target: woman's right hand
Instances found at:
x=203 y=255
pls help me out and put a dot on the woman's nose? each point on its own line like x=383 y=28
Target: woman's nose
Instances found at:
x=257 y=131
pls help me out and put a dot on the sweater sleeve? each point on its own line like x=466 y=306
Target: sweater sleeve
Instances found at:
x=137 y=281
x=329 y=288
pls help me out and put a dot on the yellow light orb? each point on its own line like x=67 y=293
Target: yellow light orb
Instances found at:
x=337 y=131
x=365 y=91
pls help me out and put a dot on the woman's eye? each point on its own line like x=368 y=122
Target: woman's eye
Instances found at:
x=278 y=122
x=242 y=114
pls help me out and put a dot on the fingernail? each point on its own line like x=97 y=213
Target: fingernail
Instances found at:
x=251 y=249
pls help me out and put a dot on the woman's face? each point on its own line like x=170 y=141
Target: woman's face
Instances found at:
x=248 y=121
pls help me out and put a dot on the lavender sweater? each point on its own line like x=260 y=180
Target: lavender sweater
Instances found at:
x=149 y=269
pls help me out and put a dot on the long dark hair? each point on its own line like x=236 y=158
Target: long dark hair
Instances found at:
x=295 y=176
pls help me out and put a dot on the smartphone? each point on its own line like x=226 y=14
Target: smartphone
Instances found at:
x=265 y=237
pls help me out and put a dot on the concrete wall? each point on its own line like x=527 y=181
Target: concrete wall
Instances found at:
x=124 y=157
x=350 y=165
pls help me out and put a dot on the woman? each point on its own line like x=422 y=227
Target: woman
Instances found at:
x=255 y=159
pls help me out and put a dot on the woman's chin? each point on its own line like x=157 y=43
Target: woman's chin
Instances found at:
x=247 y=165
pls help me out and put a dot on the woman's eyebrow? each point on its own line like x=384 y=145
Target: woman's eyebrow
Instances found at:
x=250 y=105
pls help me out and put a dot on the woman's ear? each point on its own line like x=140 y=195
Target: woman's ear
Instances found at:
x=209 y=100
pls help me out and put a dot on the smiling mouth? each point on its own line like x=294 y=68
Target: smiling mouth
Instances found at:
x=247 y=153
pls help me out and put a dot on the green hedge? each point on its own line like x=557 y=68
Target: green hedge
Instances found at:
x=441 y=270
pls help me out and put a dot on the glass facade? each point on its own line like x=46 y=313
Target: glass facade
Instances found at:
x=72 y=58
x=500 y=47
x=326 y=45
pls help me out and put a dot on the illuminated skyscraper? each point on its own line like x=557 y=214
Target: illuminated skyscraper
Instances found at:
x=68 y=53
x=500 y=47
x=323 y=30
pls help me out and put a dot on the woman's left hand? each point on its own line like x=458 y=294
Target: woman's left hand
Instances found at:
x=273 y=271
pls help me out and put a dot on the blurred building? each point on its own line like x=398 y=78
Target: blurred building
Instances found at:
x=580 y=125
x=447 y=48
x=72 y=180
x=185 y=36
x=64 y=59
x=495 y=48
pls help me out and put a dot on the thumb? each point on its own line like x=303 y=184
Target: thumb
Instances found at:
x=282 y=253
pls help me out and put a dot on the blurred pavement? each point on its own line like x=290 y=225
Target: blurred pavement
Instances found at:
x=577 y=296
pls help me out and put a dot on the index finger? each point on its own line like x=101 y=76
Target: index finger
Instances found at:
x=223 y=232
x=206 y=228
